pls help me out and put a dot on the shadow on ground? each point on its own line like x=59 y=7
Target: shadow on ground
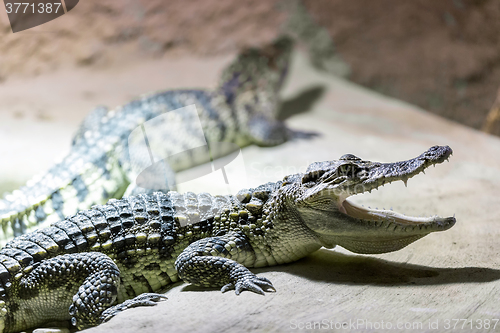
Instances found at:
x=334 y=267
x=301 y=102
x=337 y=268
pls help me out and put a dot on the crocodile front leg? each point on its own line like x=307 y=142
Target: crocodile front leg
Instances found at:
x=216 y=262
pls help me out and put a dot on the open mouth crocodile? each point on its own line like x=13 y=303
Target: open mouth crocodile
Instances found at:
x=102 y=261
x=358 y=229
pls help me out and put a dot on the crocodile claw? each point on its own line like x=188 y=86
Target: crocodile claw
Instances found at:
x=252 y=283
x=146 y=299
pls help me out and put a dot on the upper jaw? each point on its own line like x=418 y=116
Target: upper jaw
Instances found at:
x=344 y=178
x=374 y=175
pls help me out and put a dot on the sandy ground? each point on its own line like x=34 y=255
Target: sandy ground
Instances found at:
x=441 y=278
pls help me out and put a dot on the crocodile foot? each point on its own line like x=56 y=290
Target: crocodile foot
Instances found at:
x=251 y=282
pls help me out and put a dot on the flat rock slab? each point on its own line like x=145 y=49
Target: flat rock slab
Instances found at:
x=446 y=281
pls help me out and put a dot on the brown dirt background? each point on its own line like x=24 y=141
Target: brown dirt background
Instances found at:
x=441 y=55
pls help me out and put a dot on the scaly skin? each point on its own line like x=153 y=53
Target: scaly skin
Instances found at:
x=242 y=110
x=102 y=261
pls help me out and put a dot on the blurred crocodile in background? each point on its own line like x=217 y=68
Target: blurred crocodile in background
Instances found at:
x=102 y=261
x=241 y=110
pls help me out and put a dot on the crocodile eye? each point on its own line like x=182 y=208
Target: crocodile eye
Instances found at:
x=349 y=157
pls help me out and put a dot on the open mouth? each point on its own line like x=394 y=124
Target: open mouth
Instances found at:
x=389 y=217
x=337 y=221
x=393 y=220
x=384 y=230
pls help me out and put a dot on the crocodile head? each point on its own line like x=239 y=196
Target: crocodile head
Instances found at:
x=257 y=74
x=323 y=206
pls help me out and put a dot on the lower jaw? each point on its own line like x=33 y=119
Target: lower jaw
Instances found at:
x=375 y=245
x=375 y=215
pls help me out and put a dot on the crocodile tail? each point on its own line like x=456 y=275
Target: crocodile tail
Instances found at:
x=68 y=186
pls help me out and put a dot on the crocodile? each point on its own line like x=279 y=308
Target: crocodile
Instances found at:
x=241 y=110
x=93 y=265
